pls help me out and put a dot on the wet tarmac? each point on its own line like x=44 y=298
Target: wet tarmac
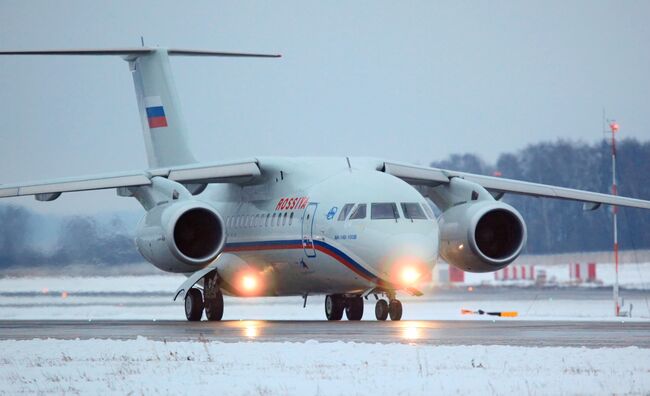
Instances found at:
x=500 y=331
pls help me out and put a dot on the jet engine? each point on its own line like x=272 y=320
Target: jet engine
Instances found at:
x=182 y=236
x=481 y=236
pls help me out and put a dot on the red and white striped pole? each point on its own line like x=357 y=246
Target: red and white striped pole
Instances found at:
x=613 y=126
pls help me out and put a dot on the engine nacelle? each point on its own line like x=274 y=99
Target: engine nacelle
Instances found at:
x=182 y=236
x=481 y=236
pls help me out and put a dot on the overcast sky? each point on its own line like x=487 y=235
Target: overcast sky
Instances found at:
x=410 y=81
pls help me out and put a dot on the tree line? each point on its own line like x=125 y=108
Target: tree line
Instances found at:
x=558 y=226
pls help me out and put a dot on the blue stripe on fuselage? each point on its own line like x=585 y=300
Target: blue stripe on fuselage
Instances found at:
x=259 y=245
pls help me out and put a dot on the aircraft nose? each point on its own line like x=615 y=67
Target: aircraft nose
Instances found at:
x=409 y=259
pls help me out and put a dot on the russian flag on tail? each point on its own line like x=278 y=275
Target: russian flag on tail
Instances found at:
x=155 y=112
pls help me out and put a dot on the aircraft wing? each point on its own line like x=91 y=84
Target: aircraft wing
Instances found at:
x=48 y=190
x=426 y=178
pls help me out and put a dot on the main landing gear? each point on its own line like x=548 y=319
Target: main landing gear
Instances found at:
x=336 y=304
x=195 y=304
x=210 y=301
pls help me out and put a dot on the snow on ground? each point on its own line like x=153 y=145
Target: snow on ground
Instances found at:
x=143 y=366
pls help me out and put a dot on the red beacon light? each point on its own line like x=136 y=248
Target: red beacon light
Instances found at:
x=614 y=127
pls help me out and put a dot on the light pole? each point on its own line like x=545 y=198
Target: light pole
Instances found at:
x=613 y=127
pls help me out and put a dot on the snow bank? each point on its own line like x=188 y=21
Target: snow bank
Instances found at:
x=167 y=283
x=154 y=367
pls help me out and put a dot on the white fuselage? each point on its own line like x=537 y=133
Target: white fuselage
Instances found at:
x=288 y=233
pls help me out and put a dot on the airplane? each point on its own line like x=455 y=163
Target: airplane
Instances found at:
x=346 y=227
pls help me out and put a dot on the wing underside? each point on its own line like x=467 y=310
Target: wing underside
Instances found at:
x=427 y=178
x=47 y=190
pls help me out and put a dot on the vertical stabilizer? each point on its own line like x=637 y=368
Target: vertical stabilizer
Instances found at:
x=165 y=135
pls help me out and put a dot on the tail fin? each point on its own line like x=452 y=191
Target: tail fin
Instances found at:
x=163 y=125
x=165 y=135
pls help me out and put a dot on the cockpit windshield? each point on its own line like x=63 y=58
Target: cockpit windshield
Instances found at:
x=345 y=211
x=359 y=212
x=413 y=211
x=384 y=210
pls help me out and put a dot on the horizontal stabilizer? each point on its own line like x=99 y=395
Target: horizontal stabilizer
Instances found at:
x=134 y=52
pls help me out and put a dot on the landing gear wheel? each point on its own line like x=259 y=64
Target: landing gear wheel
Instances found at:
x=214 y=307
x=333 y=307
x=193 y=305
x=381 y=310
x=354 y=308
x=395 y=310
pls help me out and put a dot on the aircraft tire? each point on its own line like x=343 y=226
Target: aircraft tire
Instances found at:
x=193 y=305
x=354 y=308
x=395 y=310
x=381 y=310
x=214 y=307
x=334 y=307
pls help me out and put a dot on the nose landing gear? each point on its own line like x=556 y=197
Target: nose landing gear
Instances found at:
x=392 y=307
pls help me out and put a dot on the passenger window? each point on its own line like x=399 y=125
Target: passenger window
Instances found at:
x=266 y=222
x=284 y=219
x=413 y=211
x=291 y=218
x=384 y=210
x=279 y=218
x=359 y=212
x=345 y=211
x=272 y=219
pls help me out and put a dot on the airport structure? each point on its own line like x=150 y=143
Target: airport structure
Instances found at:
x=348 y=228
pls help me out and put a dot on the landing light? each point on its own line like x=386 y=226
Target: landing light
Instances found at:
x=410 y=275
x=249 y=283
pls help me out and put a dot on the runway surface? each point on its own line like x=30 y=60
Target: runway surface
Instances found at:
x=480 y=332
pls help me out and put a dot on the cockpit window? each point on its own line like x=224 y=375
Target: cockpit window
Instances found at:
x=359 y=212
x=413 y=211
x=429 y=211
x=384 y=210
x=345 y=211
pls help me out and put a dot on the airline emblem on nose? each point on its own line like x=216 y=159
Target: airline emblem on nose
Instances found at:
x=332 y=213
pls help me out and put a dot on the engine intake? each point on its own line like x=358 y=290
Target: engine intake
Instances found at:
x=197 y=232
x=482 y=236
x=181 y=237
